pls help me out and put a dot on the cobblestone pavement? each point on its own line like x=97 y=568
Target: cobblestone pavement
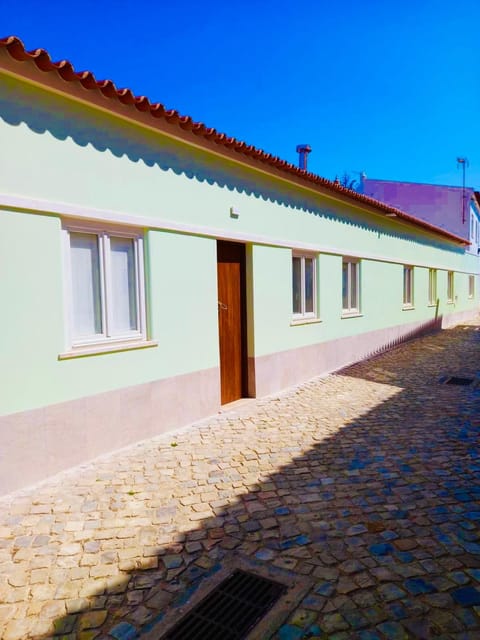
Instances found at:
x=364 y=485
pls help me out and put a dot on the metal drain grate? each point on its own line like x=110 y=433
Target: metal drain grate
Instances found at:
x=463 y=382
x=230 y=611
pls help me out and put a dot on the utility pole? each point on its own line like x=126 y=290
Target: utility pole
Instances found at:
x=464 y=163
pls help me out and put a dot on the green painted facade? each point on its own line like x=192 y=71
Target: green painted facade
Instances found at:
x=60 y=151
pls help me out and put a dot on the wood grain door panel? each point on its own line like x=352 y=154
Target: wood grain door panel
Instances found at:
x=231 y=319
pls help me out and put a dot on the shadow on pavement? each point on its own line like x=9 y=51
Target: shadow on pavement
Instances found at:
x=378 y=508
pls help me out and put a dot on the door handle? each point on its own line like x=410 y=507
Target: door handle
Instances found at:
x=222 y=306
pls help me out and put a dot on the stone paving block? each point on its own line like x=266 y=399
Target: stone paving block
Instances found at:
x=466 y=596
x=376 y=614
x=303 y=618
x=325 y=588
x=417 y=586
x=351 y=566
x=459 y=577
x=381 y=549
x=316 y=603
x=123 y=631
x=390 y=591
x=17 y=629
x=467 y=618
x=333 y=622
x=475 y=573
x=393 y=631
x=355 y=619
x=290 y=632
x=368 y=635
x=418 y=628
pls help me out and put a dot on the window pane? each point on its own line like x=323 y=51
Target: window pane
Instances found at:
x=297 y=284
x=85 y=261
x=432 y=286
x=309 y=282
x=345 y=285
x=450 y=285
x=353 y=285
x=407 y=285
x=124 y=285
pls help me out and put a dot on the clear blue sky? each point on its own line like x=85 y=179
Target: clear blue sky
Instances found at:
x=391 y=87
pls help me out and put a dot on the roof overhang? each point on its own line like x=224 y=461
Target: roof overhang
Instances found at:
x=37 y=68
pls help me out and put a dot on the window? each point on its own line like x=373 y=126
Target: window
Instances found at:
x=432 y=286
x=105 y=286
x=408 y=287
x=450 y=286
x=471 y=286
x=304 y=303
x=350 y=287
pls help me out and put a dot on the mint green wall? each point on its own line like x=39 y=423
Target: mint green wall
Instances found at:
x=31 y=321
x=182 y=305
x=381 y=290
x=63 y=152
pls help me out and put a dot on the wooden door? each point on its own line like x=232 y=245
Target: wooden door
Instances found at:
x=231 y=319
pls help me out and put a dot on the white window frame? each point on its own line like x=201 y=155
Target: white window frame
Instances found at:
x=107 y=340
x=432 y=287
x=450 y=287
x=351 y=310
x=471 y=286
x=305 y=315
x=408 y=286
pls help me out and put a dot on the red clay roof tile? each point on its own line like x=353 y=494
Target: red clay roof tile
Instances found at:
x=15 y=48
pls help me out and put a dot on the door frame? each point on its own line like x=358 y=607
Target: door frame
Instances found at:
x=223 y=246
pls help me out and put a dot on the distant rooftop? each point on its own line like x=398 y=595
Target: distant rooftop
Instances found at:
x=441 y=205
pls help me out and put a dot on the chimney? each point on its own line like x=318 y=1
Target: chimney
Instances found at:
x=361 y=182
x=303 y=150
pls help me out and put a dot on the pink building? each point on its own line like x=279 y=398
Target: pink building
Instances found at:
x=451 y=208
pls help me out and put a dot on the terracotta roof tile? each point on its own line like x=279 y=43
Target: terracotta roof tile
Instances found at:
x=15 y=48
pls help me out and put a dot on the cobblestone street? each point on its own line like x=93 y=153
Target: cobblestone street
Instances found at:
x=364 y=485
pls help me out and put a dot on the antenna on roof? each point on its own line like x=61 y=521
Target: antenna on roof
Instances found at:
x=463 y=162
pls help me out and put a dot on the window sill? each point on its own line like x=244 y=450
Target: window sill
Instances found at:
x=452 y=302
x=432 y=304
x=299 y=321
x=351 y=314
x=93 y=350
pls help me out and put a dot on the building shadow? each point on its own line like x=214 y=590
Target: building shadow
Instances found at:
x=65 y=120
x=376 y=506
